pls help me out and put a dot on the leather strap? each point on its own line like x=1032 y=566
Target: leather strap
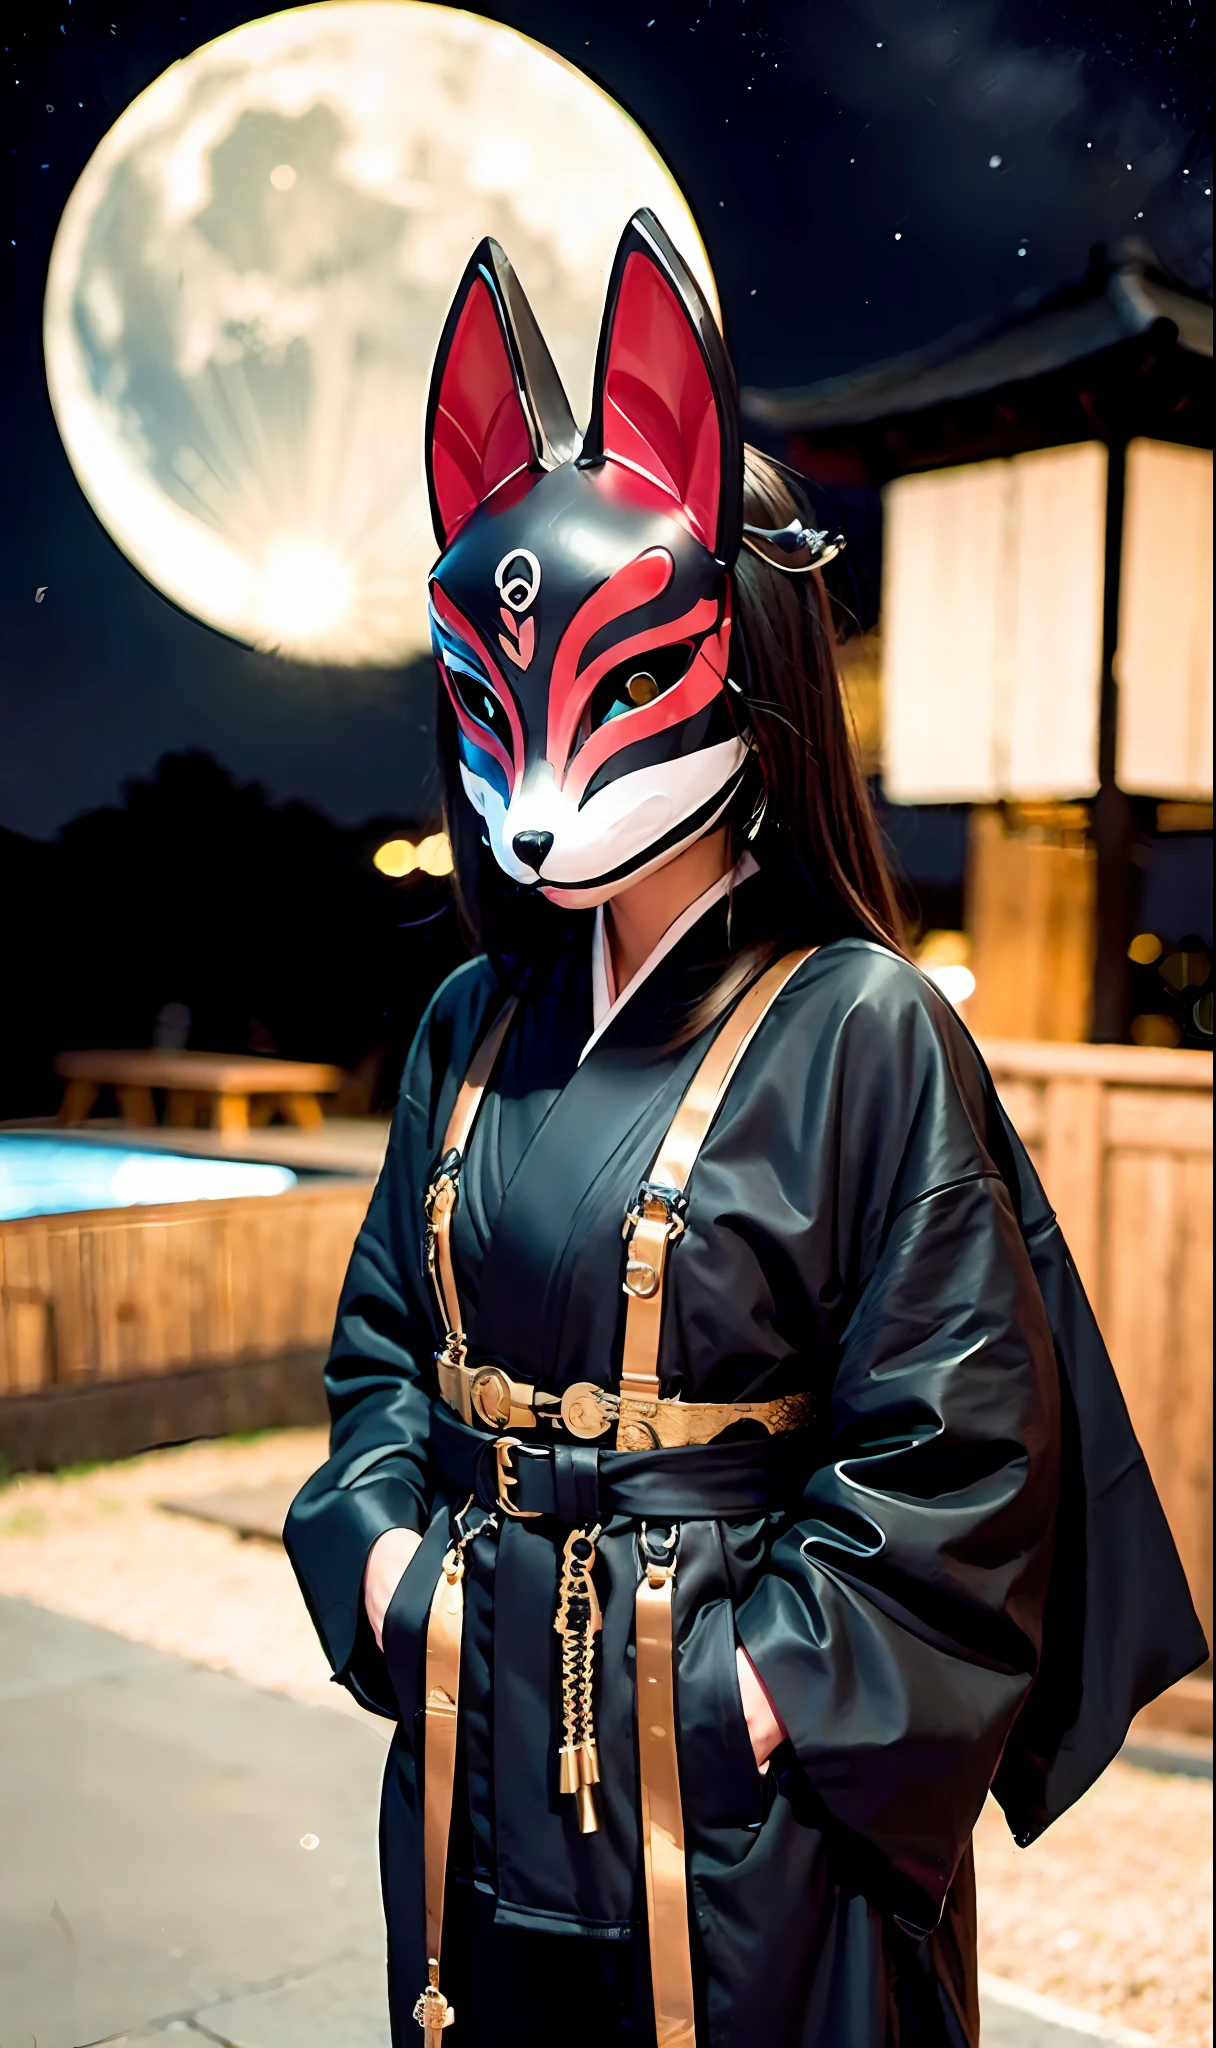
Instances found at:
x=441 y=1195
x=662 y=1815
x=656 y=1221
x=444 y=1628
x=489 y=1395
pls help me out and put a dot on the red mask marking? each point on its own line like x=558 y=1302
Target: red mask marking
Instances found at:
x=518 y=642
x=691 y=694
x=479 y=735
x=646 y=577
x=660 y=417
x=480 y=435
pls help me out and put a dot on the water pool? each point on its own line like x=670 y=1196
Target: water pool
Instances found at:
x=50 y=1176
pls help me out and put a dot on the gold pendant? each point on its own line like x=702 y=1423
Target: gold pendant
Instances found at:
x=431 y=2009
x=578 y=1621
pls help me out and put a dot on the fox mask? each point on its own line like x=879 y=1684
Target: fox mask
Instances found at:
x=580 y=607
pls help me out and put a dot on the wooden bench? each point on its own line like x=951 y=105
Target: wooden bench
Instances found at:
x=223 y=1085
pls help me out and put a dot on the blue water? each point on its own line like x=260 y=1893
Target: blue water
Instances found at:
x=48 y=1176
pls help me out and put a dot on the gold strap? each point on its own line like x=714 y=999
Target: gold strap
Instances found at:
x=444 y=1627
x=651 y=1227
x=662 y=1815
x=656 y=1223
x=441 y=1195
x=490 y=1395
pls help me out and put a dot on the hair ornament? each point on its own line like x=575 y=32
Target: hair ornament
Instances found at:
x=794 y=549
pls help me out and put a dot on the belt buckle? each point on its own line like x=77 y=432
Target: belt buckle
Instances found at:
x=658 y=1204
x=587 y=1410
x=502 y=1448
x=490 y=1396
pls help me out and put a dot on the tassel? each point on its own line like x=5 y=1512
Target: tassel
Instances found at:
x=578 y=1621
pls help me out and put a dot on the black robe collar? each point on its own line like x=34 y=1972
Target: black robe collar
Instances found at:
x=559 y=1149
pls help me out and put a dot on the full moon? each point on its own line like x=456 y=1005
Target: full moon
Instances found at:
x=249 y=281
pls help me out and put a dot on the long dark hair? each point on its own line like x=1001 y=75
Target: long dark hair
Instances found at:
x=804 y=808
x=818 y=838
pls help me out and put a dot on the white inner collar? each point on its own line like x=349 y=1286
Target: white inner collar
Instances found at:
x=606 y=1004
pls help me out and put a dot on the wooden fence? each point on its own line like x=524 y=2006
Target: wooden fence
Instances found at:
x=111 y=1294
x=1122 y=1140
x=1121 y=1136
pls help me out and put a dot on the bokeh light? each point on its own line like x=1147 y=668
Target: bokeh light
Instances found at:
x=1144 y=949
x=398 y=857
x=250 y=277
x=1155 y=1029
x=946 y=958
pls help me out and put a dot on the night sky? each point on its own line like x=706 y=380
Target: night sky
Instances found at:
x=866 y=174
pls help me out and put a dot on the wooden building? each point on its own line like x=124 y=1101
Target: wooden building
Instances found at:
x=1046 y=657
x=1046 y=596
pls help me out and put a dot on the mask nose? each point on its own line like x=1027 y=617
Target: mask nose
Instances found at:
x=531 y=848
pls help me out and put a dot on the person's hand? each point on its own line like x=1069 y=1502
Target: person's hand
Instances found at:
x=764 y=1723
x=383 y=1573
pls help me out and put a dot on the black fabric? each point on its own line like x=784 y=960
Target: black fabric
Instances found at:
x=579 y=1485
x=514 y=1990
x=576 y=1485
x=967 y=1579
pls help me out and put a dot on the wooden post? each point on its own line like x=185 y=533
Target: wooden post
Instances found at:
x=232 y=1114
x=1073 y=1169
x=78 y=1100
x=1111 y=814
x=137 y=1106
x=1030 y=912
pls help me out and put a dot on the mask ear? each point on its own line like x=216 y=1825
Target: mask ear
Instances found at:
x=664 y=401
x=496 y=406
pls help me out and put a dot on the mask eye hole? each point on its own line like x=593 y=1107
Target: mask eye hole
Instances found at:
x=482 y=706
x=631 y=684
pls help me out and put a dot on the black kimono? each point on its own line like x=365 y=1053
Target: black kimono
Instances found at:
x=968 y=1584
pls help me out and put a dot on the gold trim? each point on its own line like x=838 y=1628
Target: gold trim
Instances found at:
x=662 y=1813
x=443 y=1634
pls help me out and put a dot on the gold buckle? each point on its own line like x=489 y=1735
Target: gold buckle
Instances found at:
x=654 y=1206
x=503 y=1447
x=588 y=1410
x=641 y=1279
x=490 y=1396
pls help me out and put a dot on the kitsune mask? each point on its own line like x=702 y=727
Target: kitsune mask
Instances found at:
x=580 y=608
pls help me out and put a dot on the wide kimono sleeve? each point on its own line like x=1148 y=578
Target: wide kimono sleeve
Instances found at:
x=898 y=1625
x=379 y=1378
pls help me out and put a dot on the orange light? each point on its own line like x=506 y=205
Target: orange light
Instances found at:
x=395 y=858
x=398 y=857
x=435 y=854
x=1144 y=949
x=1155 y=1030
x=945 y=957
